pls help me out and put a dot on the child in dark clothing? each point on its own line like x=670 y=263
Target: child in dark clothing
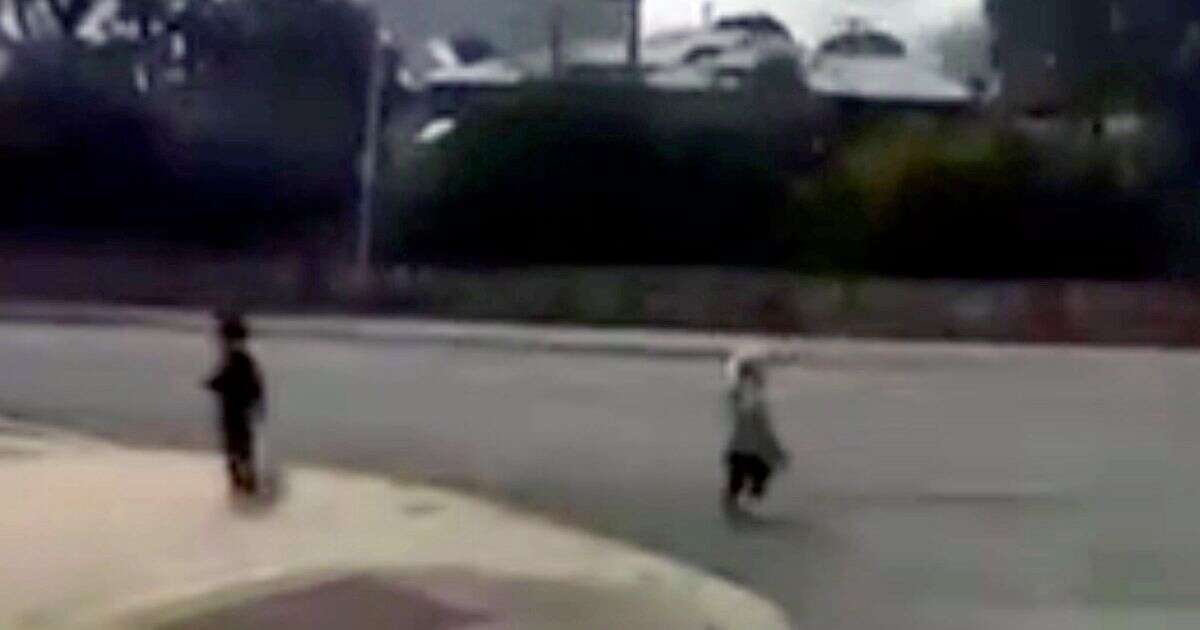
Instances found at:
x=239 y=390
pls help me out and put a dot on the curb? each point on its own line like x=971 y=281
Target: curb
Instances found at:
x=820 y=352
x=466 y=334
x=566 y=554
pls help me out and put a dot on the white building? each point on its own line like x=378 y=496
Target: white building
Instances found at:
x=871 y=66
x=860 y=66
x=718 y=58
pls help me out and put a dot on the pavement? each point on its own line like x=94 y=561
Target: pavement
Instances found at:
x=934 y=486
x=102 y=536
x=562 y=338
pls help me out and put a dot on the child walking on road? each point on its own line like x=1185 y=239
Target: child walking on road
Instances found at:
x=753 y=452
x=239 y=390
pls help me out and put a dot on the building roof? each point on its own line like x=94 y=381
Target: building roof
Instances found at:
x=890 y=79
x=496 y=72
x=676 y=60
x=702 y=60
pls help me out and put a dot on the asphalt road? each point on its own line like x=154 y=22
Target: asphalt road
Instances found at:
x=981 y=488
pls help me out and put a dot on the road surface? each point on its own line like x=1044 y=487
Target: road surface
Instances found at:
x=981 y=488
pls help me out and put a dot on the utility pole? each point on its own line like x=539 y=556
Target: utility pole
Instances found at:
x=635 y=37
x=556 y=40
x=370 y=151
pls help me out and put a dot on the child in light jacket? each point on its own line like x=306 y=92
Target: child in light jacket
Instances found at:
x=753 y=452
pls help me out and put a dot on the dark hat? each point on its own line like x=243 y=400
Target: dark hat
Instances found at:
x=750 y=368
x=233 y=328
x=745 y=365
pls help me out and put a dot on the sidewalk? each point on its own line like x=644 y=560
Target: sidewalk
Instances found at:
x=550 y=337
x=394 y=329
x=98 y=536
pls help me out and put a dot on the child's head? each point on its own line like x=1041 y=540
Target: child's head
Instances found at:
x=747 y=370
x=232 y=330
x=753 y=372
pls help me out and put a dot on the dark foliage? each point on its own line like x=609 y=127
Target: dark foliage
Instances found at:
x=259 y=143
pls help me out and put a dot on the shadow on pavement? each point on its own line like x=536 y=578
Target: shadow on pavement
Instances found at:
x=263 y=502
x=355 y=602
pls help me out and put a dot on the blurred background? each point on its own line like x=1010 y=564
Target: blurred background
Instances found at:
x=320 y=153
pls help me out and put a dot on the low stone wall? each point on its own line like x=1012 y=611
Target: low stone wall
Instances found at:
x=1042 y=311
x=149 y=276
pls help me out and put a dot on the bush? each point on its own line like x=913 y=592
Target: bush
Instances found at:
x=958 y=201
x=601 y=181
x=554 y=179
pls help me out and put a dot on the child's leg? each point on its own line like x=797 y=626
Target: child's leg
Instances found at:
x=759 y=476
x=737 y=479
x=249 y=462
x=239 y=450
x=249 y=479
x=234 y=469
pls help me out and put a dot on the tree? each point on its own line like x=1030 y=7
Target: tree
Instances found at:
x=68 y=16
x=20 y=13
x=472 y=48
x=965 y=51
x=288 y=77
x=147 y=15
x=260 y=137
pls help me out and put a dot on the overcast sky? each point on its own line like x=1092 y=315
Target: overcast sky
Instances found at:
x=811 y=19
